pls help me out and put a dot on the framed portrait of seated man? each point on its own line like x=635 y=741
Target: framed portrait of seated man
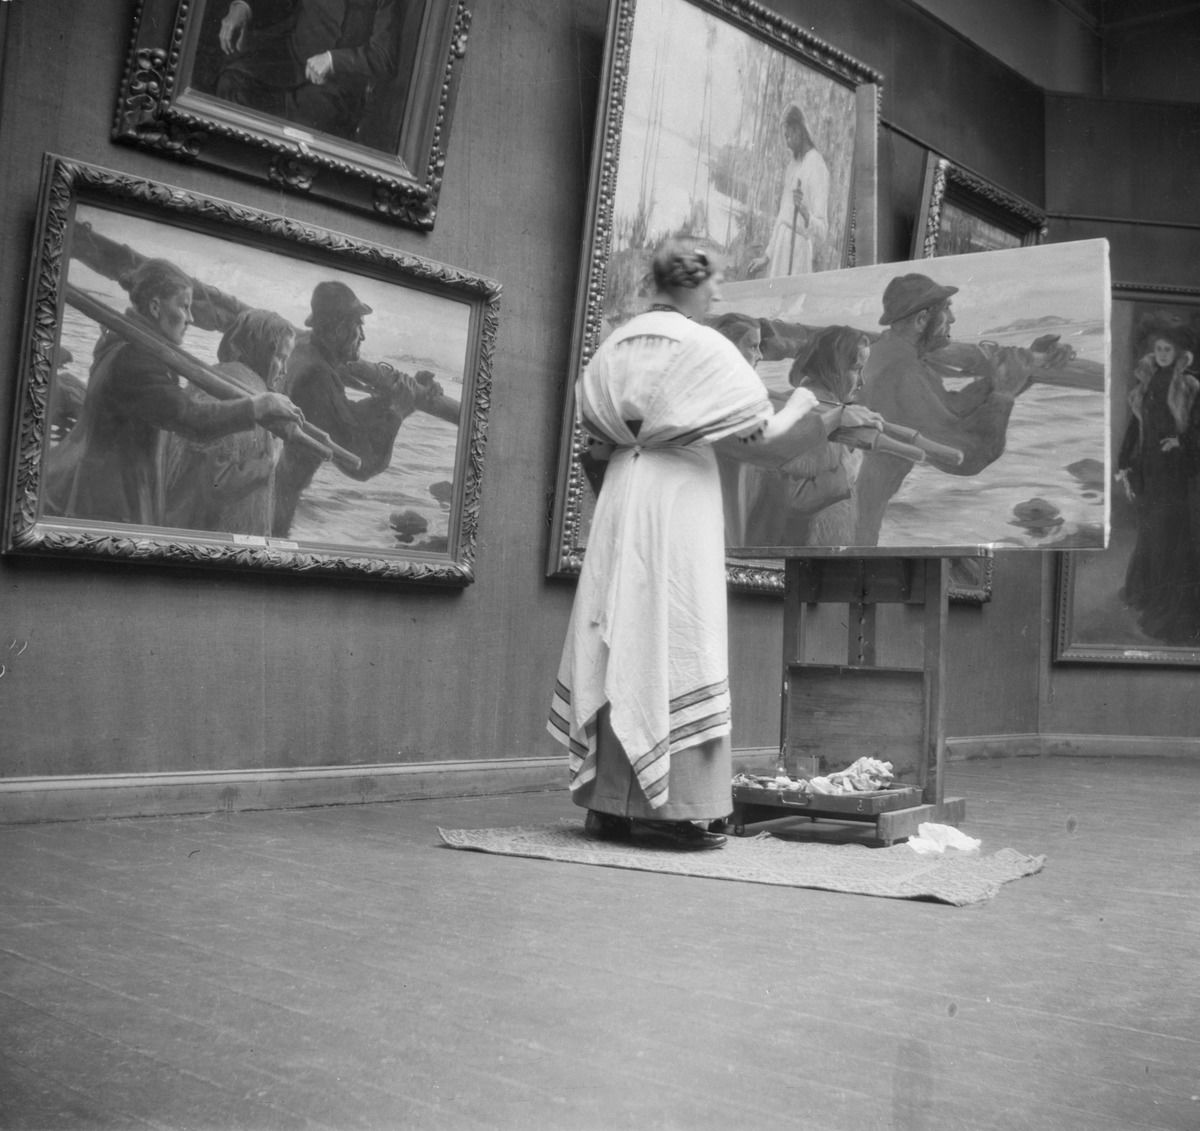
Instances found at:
x=347 y=100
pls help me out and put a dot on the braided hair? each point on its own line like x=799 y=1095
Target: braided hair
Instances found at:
x=676 y=266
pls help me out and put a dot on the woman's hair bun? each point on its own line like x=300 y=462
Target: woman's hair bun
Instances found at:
x=676 y=265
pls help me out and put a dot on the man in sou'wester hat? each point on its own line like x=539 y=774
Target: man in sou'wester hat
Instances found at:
x=903 y=381
x=323 y=366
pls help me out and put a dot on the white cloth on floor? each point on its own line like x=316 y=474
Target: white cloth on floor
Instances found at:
x=933 y=840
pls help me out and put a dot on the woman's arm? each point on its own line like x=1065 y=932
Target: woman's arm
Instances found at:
x=799 y=425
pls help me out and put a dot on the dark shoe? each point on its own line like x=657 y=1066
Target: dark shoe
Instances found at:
x=606 y=826
x=681 y=834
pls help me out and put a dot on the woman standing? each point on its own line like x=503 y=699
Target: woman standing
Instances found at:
x=642 y=696
x=1158 y=465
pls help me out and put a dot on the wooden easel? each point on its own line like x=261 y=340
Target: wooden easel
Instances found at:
x=871 y=704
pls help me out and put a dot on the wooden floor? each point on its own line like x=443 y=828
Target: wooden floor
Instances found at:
x=336 y=968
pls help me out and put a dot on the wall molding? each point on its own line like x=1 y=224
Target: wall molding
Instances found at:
x=1070 y=745
x=1125 y=221
x=103 y=796
x=81 y=797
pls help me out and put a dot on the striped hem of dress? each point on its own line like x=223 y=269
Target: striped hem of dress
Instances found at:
x=695 y=717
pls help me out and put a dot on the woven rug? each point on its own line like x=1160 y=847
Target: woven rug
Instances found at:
x=958 y=878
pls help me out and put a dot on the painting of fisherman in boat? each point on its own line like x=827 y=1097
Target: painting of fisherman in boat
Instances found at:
x=320 y=410
x=991 y=374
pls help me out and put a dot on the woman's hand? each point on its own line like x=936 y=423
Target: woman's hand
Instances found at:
x=795 y=428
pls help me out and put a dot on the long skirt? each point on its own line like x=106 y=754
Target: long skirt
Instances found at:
x=699 y=783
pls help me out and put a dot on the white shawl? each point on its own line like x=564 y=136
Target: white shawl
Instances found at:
x=648 y=628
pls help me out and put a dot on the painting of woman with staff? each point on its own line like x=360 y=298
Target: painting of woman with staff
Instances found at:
x=802 y=222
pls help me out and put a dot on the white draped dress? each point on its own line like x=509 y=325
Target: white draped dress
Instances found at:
x=644 y=675
x=794 y=241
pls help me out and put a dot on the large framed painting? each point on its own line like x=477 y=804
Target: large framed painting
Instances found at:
x=962 y=212
x=347 y=100
x=720 y=121
x=203 y=384
x=990 y=373
x=1138 y=601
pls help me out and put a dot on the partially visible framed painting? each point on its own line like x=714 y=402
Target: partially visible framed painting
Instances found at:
x=359 y=115
x=153 y=413
x=1138 y=601
x=962 y=212
x=720 y=121
x=970 y=579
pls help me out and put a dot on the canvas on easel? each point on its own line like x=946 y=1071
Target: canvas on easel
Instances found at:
x=1015 y=383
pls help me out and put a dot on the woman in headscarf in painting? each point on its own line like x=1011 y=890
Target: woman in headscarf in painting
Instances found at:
x=1158 y=465
x=809 y=501
x=228 y=485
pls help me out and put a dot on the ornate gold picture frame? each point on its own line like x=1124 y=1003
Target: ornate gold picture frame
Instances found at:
x=260 y=89
x=1138 y=601
x=135 y=437
x=690 y=141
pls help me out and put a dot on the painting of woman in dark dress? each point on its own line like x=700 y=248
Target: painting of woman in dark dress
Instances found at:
x=1158 y=466
x=1138 y=601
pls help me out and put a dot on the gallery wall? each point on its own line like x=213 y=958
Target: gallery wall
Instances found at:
x=1152 y=55
x=1145 y=207
x=116 y=668
x=124 y=668
x=1052 y=43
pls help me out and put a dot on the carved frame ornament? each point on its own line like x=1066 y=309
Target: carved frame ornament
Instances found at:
x=959 y=206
